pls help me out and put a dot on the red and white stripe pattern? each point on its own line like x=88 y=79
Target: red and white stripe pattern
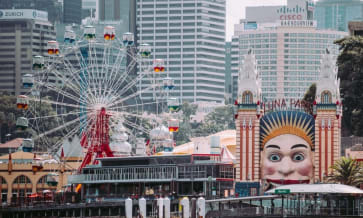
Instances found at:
x=327 y=144
x=247 y=151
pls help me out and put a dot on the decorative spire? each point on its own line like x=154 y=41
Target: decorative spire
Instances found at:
x=248 y=80
x=327 y=86
x=328 y=69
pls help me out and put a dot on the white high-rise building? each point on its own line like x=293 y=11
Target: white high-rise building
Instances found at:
x=190 y=36
x=288 y=48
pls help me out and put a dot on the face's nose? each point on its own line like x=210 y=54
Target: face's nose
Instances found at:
x=286 y=167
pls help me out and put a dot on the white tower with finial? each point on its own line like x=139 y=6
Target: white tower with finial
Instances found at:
x=327 y=113
x=327 y=87
x=248 y=120
x=249 y=84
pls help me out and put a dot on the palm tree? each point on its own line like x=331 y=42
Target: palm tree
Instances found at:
x=347 y=171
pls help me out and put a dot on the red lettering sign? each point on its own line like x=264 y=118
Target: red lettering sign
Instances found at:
x=291 y=17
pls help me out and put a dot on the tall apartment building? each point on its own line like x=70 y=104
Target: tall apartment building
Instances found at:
x=23 y=34
x=113 y=10
x=228 y=82
x=72 y=11
x=336 y=14
x=288 y=49
x=189 y=35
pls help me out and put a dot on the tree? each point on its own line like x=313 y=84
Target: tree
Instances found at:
x=185 y=130
x=11 y=113
x=350 y=73
x=310 y=94
x=347 y=171
x=2 y=121
x=220 y=119
x=309 y=97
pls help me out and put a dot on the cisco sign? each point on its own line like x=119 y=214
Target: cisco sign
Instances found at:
x=291 y=13
x=23 y=14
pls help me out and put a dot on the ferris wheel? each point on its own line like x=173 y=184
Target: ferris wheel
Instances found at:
x=89 y=86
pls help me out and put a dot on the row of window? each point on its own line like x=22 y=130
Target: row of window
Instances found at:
x=301 y=68
x=303 y=78
x=301 y=73
x=313 y=35
x=302 y=62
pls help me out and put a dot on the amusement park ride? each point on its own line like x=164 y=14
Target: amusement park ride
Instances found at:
x=88 y=81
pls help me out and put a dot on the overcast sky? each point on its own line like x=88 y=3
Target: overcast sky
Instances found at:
x=236 y=11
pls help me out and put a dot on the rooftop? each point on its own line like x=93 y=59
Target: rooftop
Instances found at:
x=15 y=143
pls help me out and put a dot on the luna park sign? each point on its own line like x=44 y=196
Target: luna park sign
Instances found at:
x=286 y=104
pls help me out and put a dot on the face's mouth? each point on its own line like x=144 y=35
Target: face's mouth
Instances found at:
x=287 y=182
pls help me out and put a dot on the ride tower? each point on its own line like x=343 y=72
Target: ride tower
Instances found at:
x=247 y=121
x=328 y=115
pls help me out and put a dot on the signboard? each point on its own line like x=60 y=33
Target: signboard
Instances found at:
x=287 y=104
x=296 y=12
x=299 y=23
x=282 y=191
x=23 y=14
x=250 y=26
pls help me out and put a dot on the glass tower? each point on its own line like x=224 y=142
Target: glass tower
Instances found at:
x=335 y=14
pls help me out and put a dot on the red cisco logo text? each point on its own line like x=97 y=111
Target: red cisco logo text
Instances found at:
x=291 y=17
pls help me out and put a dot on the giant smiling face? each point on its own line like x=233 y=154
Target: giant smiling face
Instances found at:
x=287 y=159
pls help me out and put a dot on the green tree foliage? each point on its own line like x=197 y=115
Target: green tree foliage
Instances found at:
x=185 y=129
x=222 y=118
x=351 y=75
x=347 y=171
x=310 y=97
x=9 y=114
x=310 y=94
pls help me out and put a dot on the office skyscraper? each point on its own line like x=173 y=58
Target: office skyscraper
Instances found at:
x=288 y=49
x=335 y=14
x=72 y=11
x=189 y=35
x=23 y=34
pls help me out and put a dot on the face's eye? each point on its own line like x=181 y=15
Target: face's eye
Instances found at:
x=274 y=157
x=298 y=157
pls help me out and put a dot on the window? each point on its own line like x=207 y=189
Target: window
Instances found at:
x=247 y=97
x=21 y=180
x=326 y=97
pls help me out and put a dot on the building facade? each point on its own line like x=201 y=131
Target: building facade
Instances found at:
x=112 y=10
x=268 y=132
x=288 y=50
x=72 y=11
x=23 y=34
x=336 y=14
x=190 y=37
x=228 y=82
x=288 y=58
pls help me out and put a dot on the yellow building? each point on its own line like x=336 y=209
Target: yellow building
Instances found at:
x=24 y=173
